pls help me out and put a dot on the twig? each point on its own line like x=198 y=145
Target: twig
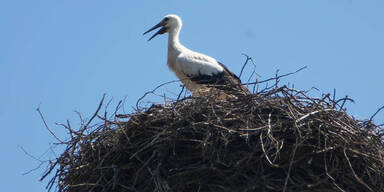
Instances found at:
x=182 y=89
x=312 y=113
x=33 y=157
x=46 y=125
x=370 y=119
x=290 y=164
x=354 y=173
x=245 y=63
x=277 y=77
x=152 y=91
x=345 y=99
x=95 y=114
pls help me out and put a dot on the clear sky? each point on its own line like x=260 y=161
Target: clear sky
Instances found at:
x=64 y=55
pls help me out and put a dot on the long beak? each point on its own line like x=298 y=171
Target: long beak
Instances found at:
x=161 y=31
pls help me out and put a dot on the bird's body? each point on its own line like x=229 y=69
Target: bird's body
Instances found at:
x=190 y=66
x=198 y=72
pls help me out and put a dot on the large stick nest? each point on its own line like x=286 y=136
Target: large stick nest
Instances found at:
x=276 y=140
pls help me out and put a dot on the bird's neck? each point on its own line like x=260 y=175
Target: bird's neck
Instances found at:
x=173 y=39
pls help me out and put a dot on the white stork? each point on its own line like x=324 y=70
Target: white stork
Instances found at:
x=198 y=72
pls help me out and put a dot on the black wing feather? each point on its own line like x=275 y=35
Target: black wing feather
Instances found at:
x=226 y=80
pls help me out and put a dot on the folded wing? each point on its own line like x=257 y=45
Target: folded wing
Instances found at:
x=206 y=72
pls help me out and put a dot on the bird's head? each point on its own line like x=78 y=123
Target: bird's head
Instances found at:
x=167 y=24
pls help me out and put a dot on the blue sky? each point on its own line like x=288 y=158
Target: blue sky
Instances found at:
x=64 y=55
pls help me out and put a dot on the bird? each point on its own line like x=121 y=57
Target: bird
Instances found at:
x=200 y=74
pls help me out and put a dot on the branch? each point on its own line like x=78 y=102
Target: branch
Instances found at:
x=277 y=77
x=46 y=126
x=97 y=111
x=152 y=91
x=370 y=119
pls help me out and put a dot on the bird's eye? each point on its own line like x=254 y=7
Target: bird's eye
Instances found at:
x=166 y=19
